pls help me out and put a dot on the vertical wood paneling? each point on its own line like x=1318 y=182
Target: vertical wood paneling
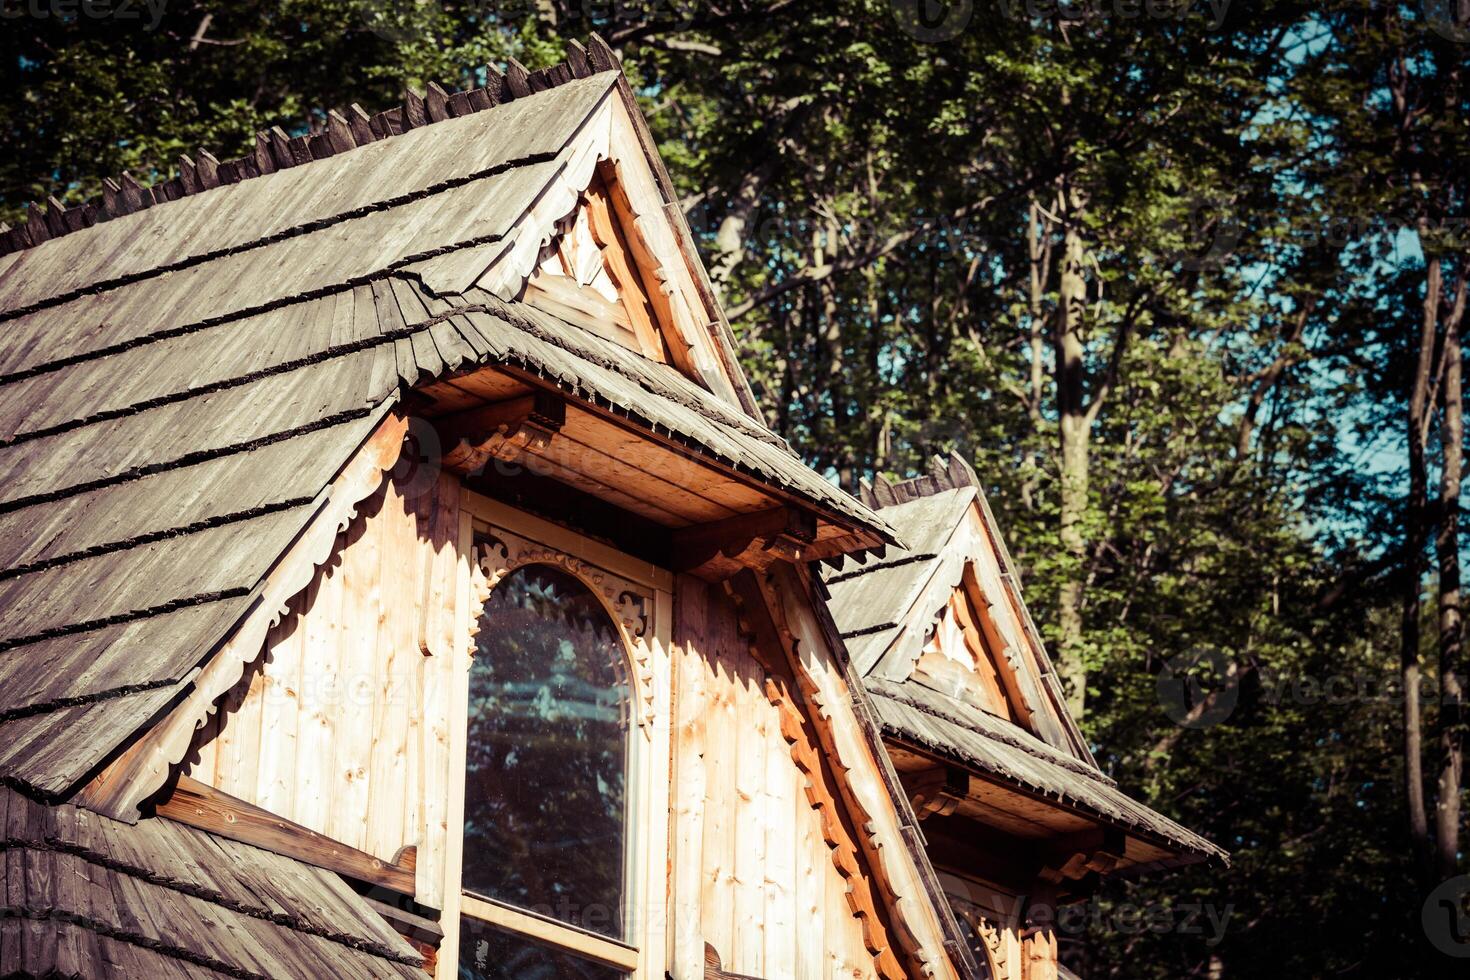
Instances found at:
x=690 y=776
x=321 y=692
x=446 y=651
x=654 y=885
x=343 y=725
x=810 y=897
x=243 y=726
x=778 y=791
x=281 y=691
x=717 y=899
x=362 y=615
x=749 y=817
x=401 y=560
x=748 y=846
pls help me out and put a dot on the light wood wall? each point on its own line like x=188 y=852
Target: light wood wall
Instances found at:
x=752 y=874
x=343 y=725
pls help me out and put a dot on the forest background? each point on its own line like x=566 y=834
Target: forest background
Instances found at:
x=1184 y=280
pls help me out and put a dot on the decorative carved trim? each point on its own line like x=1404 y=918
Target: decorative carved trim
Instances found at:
x=553 y=211
x=760 y=632
x=933 y=606
x=626 y=602
x=144 y=767
x=914 y=921
x=935 y=792
x=503 y=430
x=995 y=946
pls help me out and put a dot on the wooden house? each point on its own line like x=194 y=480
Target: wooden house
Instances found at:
x=399 y=578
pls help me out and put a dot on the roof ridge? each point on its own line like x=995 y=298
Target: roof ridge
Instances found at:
x=274 y=150
x=953 y=473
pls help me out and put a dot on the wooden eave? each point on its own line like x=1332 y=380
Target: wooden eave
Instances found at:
x=1026 y=814
x=629 y=463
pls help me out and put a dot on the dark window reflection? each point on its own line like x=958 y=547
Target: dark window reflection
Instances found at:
x=544 y=794
x=486 y=953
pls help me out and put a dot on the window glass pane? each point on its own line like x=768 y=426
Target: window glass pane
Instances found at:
x=547 y=753
x=487 y=953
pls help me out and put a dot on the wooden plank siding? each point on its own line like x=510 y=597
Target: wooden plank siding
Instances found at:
x=750 y=874
x=342 y=725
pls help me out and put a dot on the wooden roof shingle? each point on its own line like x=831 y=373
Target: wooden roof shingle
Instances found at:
x=86 y=896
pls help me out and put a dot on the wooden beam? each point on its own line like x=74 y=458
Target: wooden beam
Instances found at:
x=620 y=267
x=500 y=430
x=219 y=813
x=720 y=549
x=424 y=934
x=935 y=791
x=1072 y=857
x=552 y=932
x=407 y=924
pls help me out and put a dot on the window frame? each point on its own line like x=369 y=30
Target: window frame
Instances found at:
x=994 y=914
x=620 y=581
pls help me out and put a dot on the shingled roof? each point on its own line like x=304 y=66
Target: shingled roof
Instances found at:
x=179 y=384
x=274 y=150
x=884 y=610
x=86 y=896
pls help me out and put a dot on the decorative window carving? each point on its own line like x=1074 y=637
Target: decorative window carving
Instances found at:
x=499 y=552
x=559 y=740
x=990 y=921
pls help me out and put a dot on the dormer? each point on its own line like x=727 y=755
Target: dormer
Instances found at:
x=1017 y=816
x=423 y=594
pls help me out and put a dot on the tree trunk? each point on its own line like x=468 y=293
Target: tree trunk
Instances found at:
x=730 y=238
x=1036 y=342
x=1447 y=547
x=1075 y=429
x=1414 y=540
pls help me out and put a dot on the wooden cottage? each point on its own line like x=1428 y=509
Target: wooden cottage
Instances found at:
x=399 y=578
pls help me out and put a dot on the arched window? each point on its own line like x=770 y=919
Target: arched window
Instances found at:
x=546 y=808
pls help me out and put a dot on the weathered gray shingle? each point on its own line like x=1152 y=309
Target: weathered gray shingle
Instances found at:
x=86 y=896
